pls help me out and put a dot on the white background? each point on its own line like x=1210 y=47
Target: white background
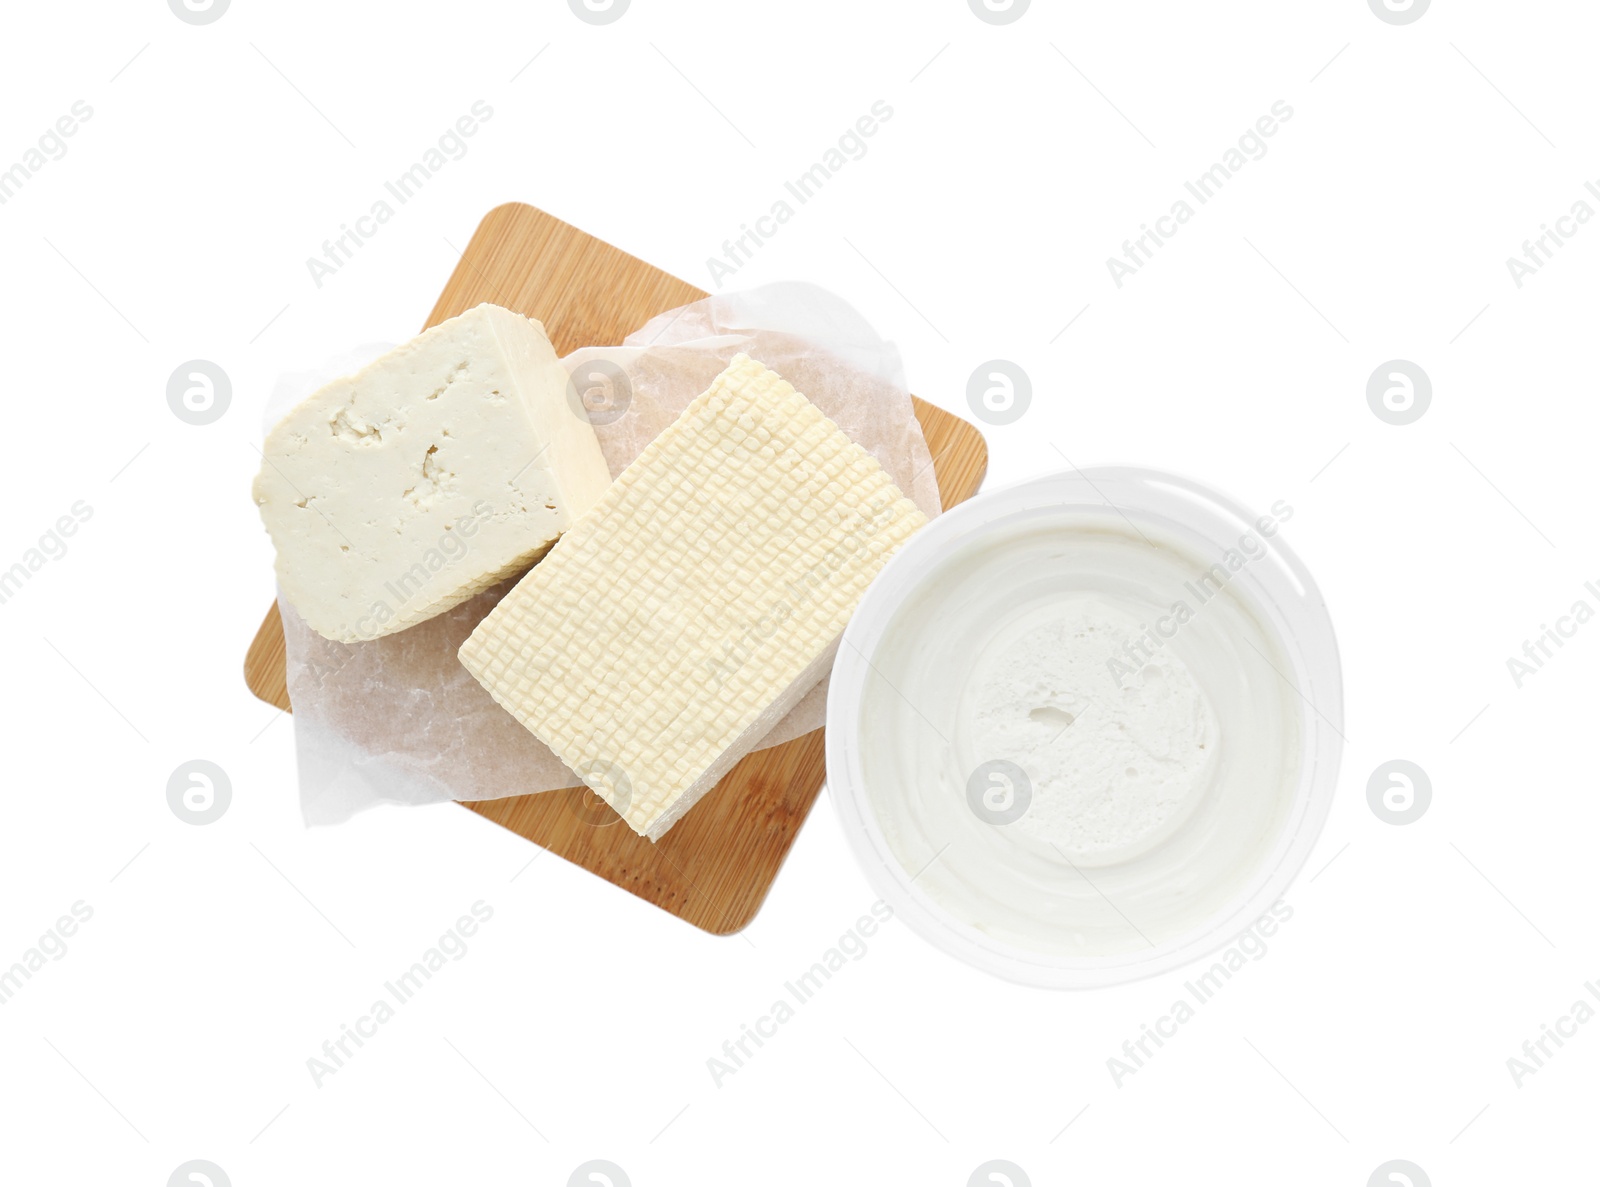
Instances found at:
x=1018 y=158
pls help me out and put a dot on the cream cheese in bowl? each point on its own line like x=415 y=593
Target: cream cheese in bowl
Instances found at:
x=1086 y=729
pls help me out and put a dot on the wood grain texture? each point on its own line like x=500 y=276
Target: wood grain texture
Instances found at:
x=714 y=868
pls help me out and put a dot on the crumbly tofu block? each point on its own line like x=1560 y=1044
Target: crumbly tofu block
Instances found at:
x=705 y=593
x=445 y=466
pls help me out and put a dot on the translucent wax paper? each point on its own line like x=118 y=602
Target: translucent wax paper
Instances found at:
x=399 y=720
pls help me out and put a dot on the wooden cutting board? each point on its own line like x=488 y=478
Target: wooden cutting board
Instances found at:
x=716 y=865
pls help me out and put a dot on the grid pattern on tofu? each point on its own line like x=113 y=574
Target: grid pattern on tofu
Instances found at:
x=698 y=600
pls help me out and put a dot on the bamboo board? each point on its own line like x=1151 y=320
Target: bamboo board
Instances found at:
x=714 y=868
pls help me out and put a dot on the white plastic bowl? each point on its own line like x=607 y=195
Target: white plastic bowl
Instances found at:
x=1275 y=585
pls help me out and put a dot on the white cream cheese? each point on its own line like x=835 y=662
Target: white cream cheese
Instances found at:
x=1112 y=757
x=1141 y=698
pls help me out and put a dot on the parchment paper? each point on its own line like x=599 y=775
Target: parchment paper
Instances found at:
x=399 y=720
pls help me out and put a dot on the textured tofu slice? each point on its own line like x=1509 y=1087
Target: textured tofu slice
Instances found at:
x=704 y=594
x=448 y=464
